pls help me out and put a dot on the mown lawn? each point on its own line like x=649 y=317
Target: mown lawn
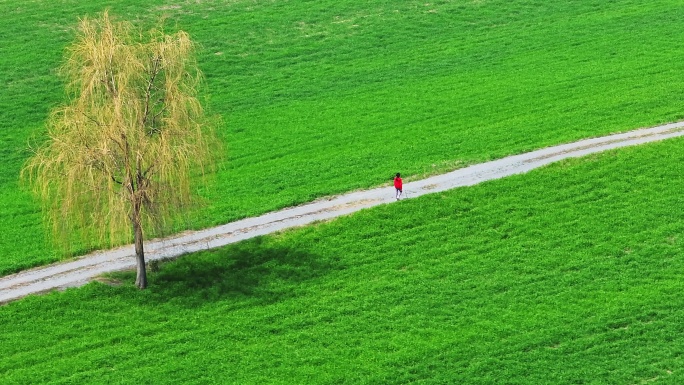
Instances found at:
x=324 y=97
x=569 y=274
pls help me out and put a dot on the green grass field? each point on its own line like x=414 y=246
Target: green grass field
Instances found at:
x=570 y=274
x=320 y=98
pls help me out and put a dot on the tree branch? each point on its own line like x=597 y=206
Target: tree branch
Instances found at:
x=148 y=92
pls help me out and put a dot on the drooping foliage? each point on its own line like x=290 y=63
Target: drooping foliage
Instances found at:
x=132 y=139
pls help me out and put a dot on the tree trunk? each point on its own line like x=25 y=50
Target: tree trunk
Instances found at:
x=141 y=277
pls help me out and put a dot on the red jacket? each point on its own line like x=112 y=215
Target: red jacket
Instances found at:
x=397 y=183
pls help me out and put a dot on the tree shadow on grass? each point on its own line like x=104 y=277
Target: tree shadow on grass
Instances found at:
x=254 y=270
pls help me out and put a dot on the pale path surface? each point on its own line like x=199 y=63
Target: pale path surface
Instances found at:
x=81 y=271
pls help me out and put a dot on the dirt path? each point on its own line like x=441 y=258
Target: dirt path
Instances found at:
x=83 y=270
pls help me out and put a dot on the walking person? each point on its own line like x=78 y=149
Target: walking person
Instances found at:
x=398 y=185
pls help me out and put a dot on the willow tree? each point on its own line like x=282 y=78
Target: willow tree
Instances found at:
x=124 y=151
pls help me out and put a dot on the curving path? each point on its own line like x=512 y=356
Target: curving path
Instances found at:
x=81 y=271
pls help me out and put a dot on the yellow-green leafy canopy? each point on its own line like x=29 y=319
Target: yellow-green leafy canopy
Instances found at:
x=127 y=144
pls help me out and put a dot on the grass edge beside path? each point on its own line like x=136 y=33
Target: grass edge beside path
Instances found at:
x=81 y=270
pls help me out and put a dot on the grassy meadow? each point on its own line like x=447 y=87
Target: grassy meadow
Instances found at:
x=323 y=97
x=570 y=274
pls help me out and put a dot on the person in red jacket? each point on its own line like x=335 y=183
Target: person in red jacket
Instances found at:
x=398 y=185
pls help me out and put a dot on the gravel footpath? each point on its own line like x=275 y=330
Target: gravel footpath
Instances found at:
x=84 y=269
